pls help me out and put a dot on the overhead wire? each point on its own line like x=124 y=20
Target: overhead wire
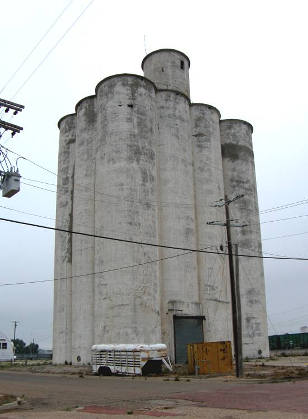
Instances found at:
x=149 y=202
x=117 y=232
x=53 y=48
x=163 y=246
x=285 y=206
x=98 y=272
x=35 y=47
x=29 y=160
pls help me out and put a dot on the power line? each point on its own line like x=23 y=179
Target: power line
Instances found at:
x=285 y=206
x=281 y=219
x=35 y=47
x=30 y=161
x=286 y=235
x=39 y=187
x=86 y=225
x=40 y=181
x=99 y=272
x=27 y=213
x=117 y=239
x=162 y=204
x=53 y=48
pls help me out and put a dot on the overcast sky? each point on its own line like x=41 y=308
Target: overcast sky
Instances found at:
x=248 y=58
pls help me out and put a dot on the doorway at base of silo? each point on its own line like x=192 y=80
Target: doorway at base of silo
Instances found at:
x=187 y=329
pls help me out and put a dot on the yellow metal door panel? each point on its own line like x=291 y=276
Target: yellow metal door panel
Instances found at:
x=210 y=357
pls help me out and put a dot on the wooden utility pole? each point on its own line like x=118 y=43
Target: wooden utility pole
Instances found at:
x=15 y=326
x=234 y=284
x=240 y=366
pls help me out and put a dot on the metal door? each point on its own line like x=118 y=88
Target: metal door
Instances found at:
x=186 y=330
x=210 y=357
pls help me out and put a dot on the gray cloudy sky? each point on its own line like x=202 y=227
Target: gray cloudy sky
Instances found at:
x=248 y=58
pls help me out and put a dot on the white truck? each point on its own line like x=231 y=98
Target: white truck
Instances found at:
x=129 y=359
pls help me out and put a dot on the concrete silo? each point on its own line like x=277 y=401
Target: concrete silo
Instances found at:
x=140 y=162
x=62 y=320
x=209 y=187
x=239 y=177
x=179 y=279
x=83 y=221
x=127 y=302
x=168 y=69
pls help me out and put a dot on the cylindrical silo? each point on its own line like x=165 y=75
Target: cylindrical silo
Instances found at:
x=127 y=297
x=209 y=188
x=239 y=178
x=168 y=69
x=62 y=320
x=179 y=282
x=83 y=221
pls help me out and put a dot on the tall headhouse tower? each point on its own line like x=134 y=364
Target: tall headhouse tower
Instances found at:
x=139 y=161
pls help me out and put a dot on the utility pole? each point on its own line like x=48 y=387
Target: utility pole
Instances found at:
x=234 y=282
x=15 y=107
x=15 y=326
x=239 y=309
x=9 y=175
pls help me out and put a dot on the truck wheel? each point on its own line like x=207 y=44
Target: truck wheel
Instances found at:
x=104 y=371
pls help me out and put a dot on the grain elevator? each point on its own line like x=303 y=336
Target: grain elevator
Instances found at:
x=140 y=162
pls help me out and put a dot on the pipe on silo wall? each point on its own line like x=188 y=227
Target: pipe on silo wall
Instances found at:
x=83 y=221
x=209 y=187
x=127 y=301
x=180 y=290
x=62 y=321
x=240 y=178
x=168 y=69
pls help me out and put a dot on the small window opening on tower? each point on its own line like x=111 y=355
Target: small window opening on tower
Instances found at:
x=162 y=69
x=182 y=65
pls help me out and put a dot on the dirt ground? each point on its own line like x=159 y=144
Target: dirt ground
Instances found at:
x=267 y=368
x=274 y=388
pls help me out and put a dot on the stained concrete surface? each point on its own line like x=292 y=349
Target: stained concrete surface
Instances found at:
x=221 y=397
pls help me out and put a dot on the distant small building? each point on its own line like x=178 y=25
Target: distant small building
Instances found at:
x=6 y=348
x=304 y=329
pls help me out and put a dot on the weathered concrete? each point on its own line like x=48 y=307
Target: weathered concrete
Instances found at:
x=168 y=69
x=213 y=269
x=138 y=161
x=176 y=216
x=239 y=178
x=62 y=323
x=83 y=220
x=127 y=302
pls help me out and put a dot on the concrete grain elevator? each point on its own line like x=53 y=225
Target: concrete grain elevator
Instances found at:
x=139 y=161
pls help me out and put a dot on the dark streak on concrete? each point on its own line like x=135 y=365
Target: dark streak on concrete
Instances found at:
x=235 y=152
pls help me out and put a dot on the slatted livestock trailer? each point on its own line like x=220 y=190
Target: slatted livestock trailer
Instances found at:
x=129 y=359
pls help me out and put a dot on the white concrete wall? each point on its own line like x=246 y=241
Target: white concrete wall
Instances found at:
x=83 y=220
x=62 y=321
x=177 y=216
x=239 y=178
x=127 y=302
x=213 y=270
